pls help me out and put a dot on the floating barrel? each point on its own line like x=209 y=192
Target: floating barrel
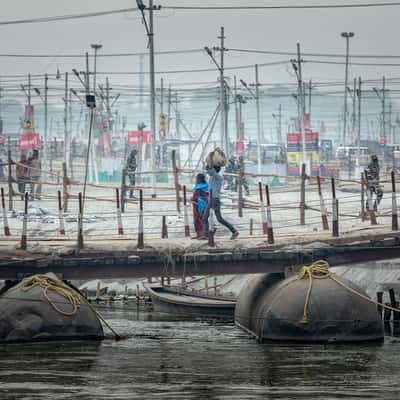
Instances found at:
x=314 y=306
x=44 y=308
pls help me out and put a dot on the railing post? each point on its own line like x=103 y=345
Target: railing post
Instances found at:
x=140 y=241
x=80 y=223
x=395 y=223
x=176 y=182
x=335 y=211
x=251 y=222
x=185 y=213
x=264 y=223
x=60 y=214
x=164 y=229
x=303 y=195
x=5 y=219
x=25 y=224
x=10 y=187
x=119 y=217
x=269 y=217
x=240 y=178
x=211 y=226
x=324 y=214
x=362 y=198
x=123 y=190
x=65 y=182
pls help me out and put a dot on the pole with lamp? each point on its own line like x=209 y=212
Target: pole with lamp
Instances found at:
x=347 y=36
x=150 y=34
x=256 y=97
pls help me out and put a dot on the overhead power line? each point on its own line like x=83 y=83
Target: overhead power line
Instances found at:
x=329 y=55
x=67 y=17
x=285 y=7
x=188 y=8
x=165 y=52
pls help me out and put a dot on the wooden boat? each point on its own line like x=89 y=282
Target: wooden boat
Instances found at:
x=179 y=301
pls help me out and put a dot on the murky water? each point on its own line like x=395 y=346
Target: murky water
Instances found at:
x=167 y=358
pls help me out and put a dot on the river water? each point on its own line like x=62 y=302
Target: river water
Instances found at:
x=164 y=357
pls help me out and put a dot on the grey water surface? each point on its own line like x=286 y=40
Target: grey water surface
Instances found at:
x=164 y=357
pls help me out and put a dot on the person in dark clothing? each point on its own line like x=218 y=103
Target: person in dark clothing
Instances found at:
x=21 y=173
x=374 y=187
x=230 y=169
x=131 y=166
x=199 y=202
x=215 y=184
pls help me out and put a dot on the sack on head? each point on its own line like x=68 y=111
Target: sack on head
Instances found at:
x=216 y=158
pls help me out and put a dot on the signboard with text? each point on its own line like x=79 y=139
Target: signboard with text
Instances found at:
x=134 y=137
x=29 y=141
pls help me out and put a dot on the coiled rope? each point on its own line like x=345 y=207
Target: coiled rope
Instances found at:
x=57 y=286
x=49 y=284
x=320 y=270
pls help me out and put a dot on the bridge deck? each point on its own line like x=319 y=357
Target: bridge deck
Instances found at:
x=119 y=258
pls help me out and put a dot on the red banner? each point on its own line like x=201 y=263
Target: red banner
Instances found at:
x=294 y=138
x=239 y=147
x=134 y=136
x=3 y=138
x=28 y=141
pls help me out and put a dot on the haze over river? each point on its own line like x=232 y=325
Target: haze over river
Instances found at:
x=165 y=357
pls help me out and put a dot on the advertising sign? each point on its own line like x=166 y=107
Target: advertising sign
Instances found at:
x=134 y=137
x=29 y=141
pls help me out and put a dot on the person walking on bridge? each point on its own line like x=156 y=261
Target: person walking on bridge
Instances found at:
x=215 y=183
x=373 y=182
x=131 y=166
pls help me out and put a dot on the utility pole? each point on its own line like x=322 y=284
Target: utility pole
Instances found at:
x=359 y=121
x=222 y=49
x=169 y=106
x=236 y=108
x=177 y=119
x=280 y=139
x=96 y=48
x=29 y=89
x=66 y=144
x=347 y=36
x=150 y=35
x=258 y=121
x=152 y=93
x=353 y=117
x=45 y=147
x=301 y=104
x=309 y=98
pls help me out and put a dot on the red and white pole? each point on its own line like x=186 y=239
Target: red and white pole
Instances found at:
x=25 y=224
x=211 y=226
x=262 y=209
x=395 y=222
x=140 y=241
x=60 y=215
x=119 y=217
x=372 y=215
x=335 y=211
x=80 y=222
x=5 y=219
x=324 y=212
x=185 y=213
x=270 y=231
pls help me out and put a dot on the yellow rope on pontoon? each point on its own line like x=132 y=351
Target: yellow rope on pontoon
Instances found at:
x=320 y=270
x=49 y=284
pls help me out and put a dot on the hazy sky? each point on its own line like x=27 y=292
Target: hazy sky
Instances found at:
x=376 y=32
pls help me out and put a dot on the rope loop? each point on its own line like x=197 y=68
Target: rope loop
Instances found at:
x=320 y=270
x=49 y=284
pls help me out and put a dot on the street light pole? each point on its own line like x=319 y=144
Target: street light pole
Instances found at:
x=347 y=36
x=46 y=88
x=258 y=122
x=222 y=92
x=96 y=47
